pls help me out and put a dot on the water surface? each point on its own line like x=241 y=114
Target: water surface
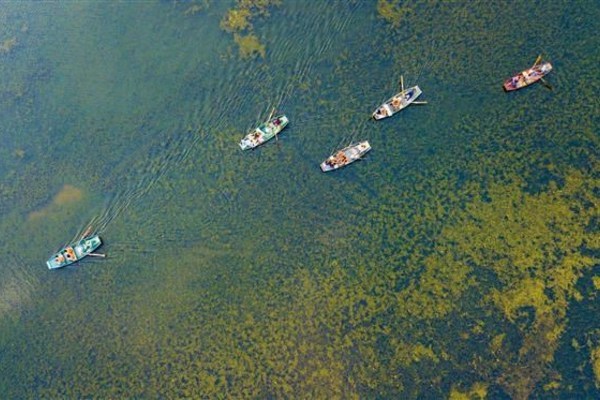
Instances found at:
x=459 y=259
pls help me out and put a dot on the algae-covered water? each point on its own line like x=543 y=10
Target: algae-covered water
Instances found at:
x=460 y=259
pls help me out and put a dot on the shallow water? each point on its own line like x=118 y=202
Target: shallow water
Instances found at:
x=460 y=257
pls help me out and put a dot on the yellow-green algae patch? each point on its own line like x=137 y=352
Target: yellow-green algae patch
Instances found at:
x=249 y=45
x=595 y=358
x=393 y=11
x=477 y=392
x=68 y=194
x=532 y=245
x=238 y=21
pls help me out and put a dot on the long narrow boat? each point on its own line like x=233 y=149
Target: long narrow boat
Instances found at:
x=74 y=252
x=345 y=156
x=397 y=102
x=531 y=75
x=264 y=132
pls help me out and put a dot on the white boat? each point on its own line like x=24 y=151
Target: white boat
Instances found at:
x=398 y=102
x=345 y=156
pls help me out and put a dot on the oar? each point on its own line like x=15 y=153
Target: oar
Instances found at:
x=537 y=60
x=549 y=86
x=402 y=83
x=86 y=233
x=419 y=102
x=97 y=255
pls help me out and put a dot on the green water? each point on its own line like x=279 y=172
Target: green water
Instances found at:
x=460 y=258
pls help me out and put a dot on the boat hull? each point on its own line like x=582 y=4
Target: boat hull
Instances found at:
x=527 y=77
x=74 y=252
x=345 y=156
x=397 y=103
x=264 y=132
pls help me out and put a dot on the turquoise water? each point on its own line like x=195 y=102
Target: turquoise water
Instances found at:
x=459 y=258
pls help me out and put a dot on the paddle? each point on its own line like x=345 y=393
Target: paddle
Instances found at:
x=269 y=119
x=97 y=255
x=86 y=233
x=546 y=84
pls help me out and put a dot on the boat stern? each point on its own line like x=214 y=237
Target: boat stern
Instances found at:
x=380 y=113
x=325 y=167
x=87 y=245
x=283 y=120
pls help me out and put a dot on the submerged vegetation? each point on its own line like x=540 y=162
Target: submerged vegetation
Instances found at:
x=238 y=21
x=7 y=45
x=66 y=195
x=249 y=45
x=448 y=265
x=393 y=11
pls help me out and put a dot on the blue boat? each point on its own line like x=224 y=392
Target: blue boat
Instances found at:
x=75 y=252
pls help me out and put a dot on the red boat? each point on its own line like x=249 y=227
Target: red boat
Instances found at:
x=529 y=76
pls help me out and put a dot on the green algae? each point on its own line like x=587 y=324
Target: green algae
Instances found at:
x=595 y=360
x=205 y=309
x=393 y=11
x=238 y=21
x=477 y=392
x=249 y=46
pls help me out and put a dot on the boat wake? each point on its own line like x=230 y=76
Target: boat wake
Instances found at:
x=300 y=58
x=17 y=286
x=140 y=180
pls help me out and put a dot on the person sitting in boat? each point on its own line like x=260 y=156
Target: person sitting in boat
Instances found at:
x=255 y=137
x=70 y=254
x=396 y=102
x=340 y=158
x=276 y=122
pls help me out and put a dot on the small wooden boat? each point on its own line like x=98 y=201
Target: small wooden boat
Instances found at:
x=75 y=252
x=398 y=102
x=264 y=132
x=531 y=75
x=345 y=156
